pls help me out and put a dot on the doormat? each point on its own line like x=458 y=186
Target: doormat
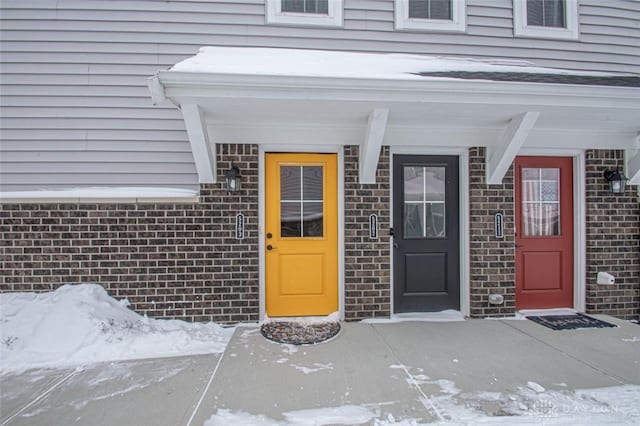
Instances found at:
x=295 y=333
x=569 y=322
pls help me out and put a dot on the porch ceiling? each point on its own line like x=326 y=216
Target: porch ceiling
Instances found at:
x=439 y=112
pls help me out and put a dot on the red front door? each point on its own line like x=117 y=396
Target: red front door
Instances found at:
x=544 y=232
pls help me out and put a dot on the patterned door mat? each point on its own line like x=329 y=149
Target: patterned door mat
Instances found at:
x=569 y=322
x=295 y=333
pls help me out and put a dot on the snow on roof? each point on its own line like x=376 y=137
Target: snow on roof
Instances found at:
x=316 y=63
x=103 y=192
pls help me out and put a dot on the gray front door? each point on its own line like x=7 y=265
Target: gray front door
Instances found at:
x=426 y=228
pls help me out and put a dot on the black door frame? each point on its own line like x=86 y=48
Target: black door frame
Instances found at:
x=455 y=199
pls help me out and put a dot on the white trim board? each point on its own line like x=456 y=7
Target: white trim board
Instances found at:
x=275 y=15
x=457 y=23
x=522 y=29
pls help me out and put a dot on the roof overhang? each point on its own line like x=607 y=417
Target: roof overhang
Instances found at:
x=505 y=117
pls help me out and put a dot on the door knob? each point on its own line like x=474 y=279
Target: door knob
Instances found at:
x=269 y=235
x=270 y=247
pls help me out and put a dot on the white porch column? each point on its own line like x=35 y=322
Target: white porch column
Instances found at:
x=370 y=147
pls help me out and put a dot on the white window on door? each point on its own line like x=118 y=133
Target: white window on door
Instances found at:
x=430 y=15
x=540 y=202
x=326 y=13
x=546 y=19
x=424 y=202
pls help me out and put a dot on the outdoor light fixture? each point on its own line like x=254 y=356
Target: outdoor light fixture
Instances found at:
x=233 y=179
x=617 y=181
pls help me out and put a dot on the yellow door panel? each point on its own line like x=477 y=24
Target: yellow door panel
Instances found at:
x=301 y=234
x=301 y=274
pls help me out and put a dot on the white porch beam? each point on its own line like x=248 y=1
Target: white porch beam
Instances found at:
x=203 y=150
x=499 y=157
x=370 y=147
x=632 y=163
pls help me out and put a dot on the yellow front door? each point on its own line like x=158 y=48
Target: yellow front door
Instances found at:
x=301 y=234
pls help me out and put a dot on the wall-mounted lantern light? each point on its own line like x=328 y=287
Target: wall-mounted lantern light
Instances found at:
x=617 y=181
x=233 y=179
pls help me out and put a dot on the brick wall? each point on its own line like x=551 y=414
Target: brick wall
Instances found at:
x=492 y=262
x=183 y=261
x=613 y=239
x=169 y=260
x=367 y=262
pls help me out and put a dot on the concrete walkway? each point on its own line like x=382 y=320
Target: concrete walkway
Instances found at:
x=409 y=370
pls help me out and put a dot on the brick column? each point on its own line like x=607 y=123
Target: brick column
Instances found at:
x=492 y=262
x=613 y=239
x=367 y=262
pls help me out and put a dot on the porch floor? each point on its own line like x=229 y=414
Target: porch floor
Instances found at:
x=376 y=373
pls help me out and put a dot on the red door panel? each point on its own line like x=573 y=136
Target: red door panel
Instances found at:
x=544 y=232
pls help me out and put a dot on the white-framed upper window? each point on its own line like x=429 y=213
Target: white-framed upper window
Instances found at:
x=431 y=15
x=546 y=19
x=326 y=13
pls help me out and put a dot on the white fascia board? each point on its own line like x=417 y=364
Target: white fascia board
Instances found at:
x=632 y=163
x=500 y=156
x=370 y=147
x=578 y=139
x=191 y=85
x=203 y=151
x=156 y=89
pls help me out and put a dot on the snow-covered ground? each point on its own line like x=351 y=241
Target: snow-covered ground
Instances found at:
x=82 y=324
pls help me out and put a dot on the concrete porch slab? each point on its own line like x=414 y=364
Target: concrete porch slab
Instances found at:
x=612 y=351
x=413 y=371
x=264 y=378
x=148 y=392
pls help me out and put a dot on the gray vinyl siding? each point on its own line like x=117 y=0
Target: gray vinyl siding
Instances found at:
x=75 y=109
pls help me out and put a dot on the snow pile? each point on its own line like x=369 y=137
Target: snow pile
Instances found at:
x=617 y=405
x=316 y=63
x=80 y=324
x=342 y=415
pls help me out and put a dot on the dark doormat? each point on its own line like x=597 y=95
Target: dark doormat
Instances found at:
x=295 y=333
x=569 y=322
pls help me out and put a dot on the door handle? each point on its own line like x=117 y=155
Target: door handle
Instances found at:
x=270 y=247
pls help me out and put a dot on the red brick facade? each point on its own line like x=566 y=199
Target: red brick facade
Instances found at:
x=183 y=261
